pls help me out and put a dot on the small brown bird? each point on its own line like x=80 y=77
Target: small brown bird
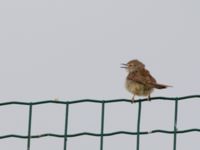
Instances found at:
x=139 y=81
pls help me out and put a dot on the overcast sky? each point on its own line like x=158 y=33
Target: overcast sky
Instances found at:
x=73 y=50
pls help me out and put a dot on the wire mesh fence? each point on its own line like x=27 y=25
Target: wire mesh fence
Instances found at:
x=101 y=133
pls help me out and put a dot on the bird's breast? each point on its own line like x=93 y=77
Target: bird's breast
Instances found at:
x=137 y=88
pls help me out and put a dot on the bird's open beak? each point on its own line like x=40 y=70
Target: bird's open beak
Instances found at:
x=124 y=66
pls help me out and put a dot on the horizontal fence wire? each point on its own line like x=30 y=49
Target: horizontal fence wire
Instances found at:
x=101 y=134
x=96 y=134
x=98 y=101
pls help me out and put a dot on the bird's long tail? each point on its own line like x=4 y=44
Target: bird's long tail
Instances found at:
x=161 y=86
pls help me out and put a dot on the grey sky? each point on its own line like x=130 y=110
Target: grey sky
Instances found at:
x=73 y=49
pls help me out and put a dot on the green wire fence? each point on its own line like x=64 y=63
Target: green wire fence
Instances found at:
x=65 y=136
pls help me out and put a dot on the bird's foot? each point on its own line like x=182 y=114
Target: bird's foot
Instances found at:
x=133 y=100
x=149 y=98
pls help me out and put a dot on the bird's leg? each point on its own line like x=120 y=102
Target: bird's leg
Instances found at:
x=133 y=99
x=149 y=97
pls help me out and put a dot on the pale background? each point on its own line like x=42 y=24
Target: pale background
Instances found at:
x=73 y=50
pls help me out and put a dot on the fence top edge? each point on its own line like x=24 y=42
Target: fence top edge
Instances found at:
x=98 y=101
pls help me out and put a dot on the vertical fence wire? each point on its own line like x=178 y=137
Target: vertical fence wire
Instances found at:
x=138 y=126
x=66 y=126
x=102 y=124
x=175 y=123
x=29 y=127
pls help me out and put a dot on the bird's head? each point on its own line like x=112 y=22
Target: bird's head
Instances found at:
x=133 y=65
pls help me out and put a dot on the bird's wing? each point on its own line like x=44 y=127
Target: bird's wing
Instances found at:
x=143 y=77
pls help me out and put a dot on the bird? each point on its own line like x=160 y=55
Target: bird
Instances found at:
x=139 y=81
